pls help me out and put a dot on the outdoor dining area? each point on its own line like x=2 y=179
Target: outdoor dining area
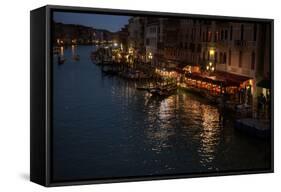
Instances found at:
x=234 y=87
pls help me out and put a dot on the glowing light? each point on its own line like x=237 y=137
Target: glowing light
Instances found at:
x=210 y=63
x=213 y=68
x=251 y=82
x=73 y=50
x=115 y=44
x=212 y=52
x=61 y=51
x=207 y=67
x=121 y=47
x=150 y=55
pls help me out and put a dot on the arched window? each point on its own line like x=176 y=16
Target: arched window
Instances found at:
x=240 y=58
x=242 y=32
x=231 y=29
x=253 y=60
x=221 y=58
x=229 y=57
x=224 y=58
x=222 y=34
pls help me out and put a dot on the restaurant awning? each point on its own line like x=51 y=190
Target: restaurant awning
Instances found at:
x=231 y=79
x=265 y=83
x=221 y=78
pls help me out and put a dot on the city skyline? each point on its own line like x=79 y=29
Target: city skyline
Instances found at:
x=112 y=23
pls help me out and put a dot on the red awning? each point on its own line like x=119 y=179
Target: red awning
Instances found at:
x=231 y=79
x=220 y=78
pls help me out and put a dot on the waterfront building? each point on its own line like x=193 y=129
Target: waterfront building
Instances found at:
x=136 y=37
x=152 y=38
x=121 y=38
x=230 y=57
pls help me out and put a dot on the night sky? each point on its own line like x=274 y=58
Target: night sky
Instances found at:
x=112 y=23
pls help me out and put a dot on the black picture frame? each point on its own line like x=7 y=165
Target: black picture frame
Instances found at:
x=41 y=94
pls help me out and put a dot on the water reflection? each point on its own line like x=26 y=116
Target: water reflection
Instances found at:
x=210 y=135
x=182 y=114
x=61 y=51
x=73 y=50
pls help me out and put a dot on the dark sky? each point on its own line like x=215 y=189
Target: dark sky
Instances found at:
x=110 y=22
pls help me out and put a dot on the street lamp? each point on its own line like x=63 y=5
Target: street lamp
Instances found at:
x=210 y=67
x=150 y=56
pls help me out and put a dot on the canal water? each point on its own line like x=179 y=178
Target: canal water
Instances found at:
x=104 y=127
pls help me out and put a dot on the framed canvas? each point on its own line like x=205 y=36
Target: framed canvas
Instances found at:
x=121 y=95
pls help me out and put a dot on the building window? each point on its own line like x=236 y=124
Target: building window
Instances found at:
x=225 y=34
x=216 y=57
x=192 y=47
x=217 y=36
x=209 y=36
x=204 y=58
x=253 y=60
x=240 y=59
x=203 y=36
x=229 y=58
x=242 y=32
x=224 y=58
x=194 y=32
x=231 y=29
x=222 y=34
x=147 y=42
x=255 y=32
x=199 y=47
x=220 y=59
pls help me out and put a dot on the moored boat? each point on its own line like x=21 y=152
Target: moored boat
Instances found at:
x=163 y=91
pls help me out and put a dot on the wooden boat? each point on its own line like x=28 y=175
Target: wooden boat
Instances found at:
x=163 y=91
